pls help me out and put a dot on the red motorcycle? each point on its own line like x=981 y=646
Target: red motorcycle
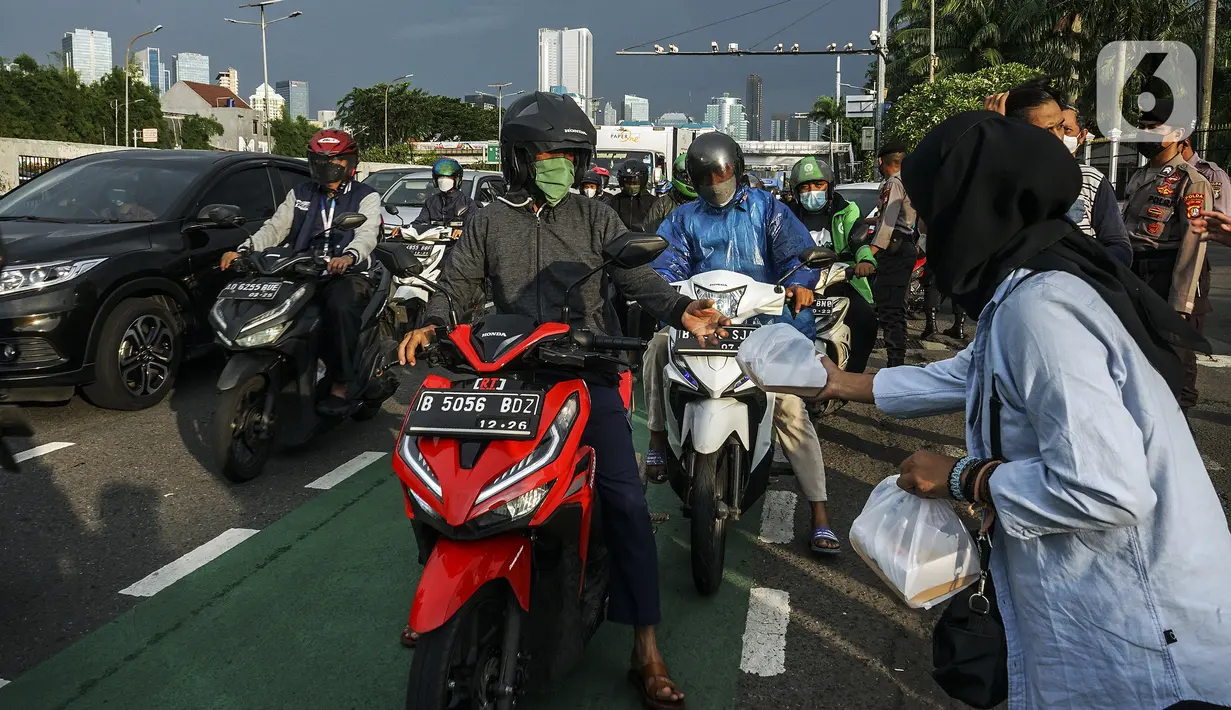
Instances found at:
x=914 y=298
x=501 y=494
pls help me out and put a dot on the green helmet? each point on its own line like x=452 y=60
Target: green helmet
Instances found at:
x=680 y=179
x=810 y=169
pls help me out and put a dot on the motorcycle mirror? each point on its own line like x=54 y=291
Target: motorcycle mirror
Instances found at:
x=220 y=216
x=391 y=209
x=398 y=258
x=348 y=221
x=817 y=257
x=633 y=249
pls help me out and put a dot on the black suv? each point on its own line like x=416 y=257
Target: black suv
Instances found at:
x=109 y=272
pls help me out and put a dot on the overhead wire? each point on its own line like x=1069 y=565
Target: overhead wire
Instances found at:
x=712 y=24
x=808 y=14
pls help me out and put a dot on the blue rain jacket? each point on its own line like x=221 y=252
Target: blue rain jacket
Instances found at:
x=755 y=235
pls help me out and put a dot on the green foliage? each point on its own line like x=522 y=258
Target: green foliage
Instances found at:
x=414 y=115
x=190 y=132
x=291 y=135
x=926 y=105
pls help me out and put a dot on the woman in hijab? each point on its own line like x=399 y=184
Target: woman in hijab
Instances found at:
x=1110 y=549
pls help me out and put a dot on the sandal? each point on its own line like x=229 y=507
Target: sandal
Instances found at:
x=409 y=637
x=825 y=534
x=656 y=466
x=650 y=681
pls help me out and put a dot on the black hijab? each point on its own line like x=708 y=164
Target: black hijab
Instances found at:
x=993 y=193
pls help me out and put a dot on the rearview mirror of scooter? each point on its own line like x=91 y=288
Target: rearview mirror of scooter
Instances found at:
x=391 y=209
x=398 y=258
x=817 y=257
x=633 y=249
x=349 y=221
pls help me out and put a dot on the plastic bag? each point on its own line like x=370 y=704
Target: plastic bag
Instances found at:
x=919 y=546
x=779 y=358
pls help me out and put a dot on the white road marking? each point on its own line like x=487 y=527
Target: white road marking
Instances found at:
x=1212 y=466
x=1214 y=360
x=169 y=574
x=346 y=470
x=778 y=517
x=764 y=652
x=40 y=450
x=3 y=682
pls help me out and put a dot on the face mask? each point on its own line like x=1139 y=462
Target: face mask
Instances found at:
x=633 y=189
x=1150 y=150
x=590 y=191
x=445 y=183
x=554 y=177
x=718 y=195
x=814 y=201
x=1070 y=142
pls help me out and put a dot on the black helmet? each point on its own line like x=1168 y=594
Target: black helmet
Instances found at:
x=716 y=167
x=592 y=178
x=633 y=172
x=541 y=123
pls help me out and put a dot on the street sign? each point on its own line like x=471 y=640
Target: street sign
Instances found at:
x=867 y=138
x=149 y=135
x=493 y=153
x=860 y=106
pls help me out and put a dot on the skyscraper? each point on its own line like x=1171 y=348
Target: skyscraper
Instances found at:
x=87 y=52
x=673 y=119
x=228 y=79
x=726 y=112
x=295 y=93
x=636 y=108
x=153 y=69
x=327 y=118
x=190 y=66
x=276 y=102
x=755 y=103
x=480 y=101
x=566 y=58
x=610 y=116
x=778 y=126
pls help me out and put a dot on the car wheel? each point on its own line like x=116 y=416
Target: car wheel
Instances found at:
x=138 y=356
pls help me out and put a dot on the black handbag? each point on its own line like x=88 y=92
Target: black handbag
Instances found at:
x=969 y=653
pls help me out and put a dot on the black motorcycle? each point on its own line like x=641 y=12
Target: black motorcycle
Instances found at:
x=270 y=323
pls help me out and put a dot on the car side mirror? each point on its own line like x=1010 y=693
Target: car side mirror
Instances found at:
x=349 y=221
x=391 y=209
x=633 y=249
x=817 y=257
x=220 y=216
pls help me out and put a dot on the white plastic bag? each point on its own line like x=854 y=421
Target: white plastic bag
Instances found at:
x=779 y=358
x=919 y=546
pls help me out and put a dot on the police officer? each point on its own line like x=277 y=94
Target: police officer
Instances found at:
x=1164 y=197
x=1220 y=182
x=893 y=253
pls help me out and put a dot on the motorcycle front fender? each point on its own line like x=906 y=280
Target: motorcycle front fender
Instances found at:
x=243 y=365
x=456 y=570
x=710 y=422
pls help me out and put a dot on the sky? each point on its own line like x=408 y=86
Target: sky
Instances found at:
x=455 y=48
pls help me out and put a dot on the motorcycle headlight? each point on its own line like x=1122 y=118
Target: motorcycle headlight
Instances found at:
x=427 y=509
x=689 y=379
x=276 y=313
x=31 y=277
x=262 y=337
x=543 y=454
x=409 y=451
x=727 y=302
x=520 y=507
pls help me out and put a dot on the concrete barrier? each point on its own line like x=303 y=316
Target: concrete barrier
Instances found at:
x=20 y=158
x=367 y=168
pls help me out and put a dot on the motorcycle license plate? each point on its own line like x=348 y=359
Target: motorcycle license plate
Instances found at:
x=686 y=343
x=252 y=290
x=471 y=414
x=823 y=308
x=421 y=249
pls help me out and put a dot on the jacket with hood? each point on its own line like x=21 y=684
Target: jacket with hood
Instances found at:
x=445 y=207
x=632 y=209
x=663 y=206
x=831 y=227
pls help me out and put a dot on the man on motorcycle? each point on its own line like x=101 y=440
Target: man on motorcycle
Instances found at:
x=681 y=193
x=532 y=244
x=830 y=217
x=451 y=203
x=592 y=184
x=735 y=227
x=305 y=214
x=633 y=202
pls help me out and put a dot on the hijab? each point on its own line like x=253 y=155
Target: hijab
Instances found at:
x=994 y=193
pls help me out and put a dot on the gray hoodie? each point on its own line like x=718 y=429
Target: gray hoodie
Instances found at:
x=532 y=258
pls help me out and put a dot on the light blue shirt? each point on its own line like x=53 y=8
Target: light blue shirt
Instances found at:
x=1112 y=557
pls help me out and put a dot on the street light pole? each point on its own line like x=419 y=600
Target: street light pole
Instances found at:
x=932 y=44
x=387 y=87
x=500 y=109
x=265 y=59
x=115 y=104
x=127 y=62
x=882 y=47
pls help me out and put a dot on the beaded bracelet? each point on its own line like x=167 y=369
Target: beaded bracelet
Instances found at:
x=955 y=477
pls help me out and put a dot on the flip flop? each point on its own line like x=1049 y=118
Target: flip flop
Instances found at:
x=650 y=681
x=655 y=457
x=825 y=534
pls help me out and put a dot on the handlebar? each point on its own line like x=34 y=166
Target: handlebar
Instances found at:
x=595 y=341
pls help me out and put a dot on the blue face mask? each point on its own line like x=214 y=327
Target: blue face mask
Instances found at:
x=813 y=201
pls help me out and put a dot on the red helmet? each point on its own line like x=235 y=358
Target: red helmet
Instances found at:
x=333 y=156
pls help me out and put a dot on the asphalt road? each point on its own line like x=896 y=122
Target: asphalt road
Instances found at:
x=134 y=492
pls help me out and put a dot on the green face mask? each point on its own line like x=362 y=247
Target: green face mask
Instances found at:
x=554 y=177
x=634 y=189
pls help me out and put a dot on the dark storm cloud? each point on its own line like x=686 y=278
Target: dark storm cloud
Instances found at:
x=454 y=48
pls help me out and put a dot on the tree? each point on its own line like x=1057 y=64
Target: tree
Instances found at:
x=414 y=115
x=291 y=135
x=826 y=109
x=189 y=132
x=922 y=108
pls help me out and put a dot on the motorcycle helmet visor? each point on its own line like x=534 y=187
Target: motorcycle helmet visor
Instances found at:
x=329 y=169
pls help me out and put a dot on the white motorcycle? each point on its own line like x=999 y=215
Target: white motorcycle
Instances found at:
x=410 y=295
x=719 y=425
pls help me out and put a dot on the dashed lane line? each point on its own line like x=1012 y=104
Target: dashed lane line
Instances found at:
x=3 y=682
x=40 y=450
x=778 y=517
x=169 y=574
x=764 y=651
x=1214 y=360
x=346 y=470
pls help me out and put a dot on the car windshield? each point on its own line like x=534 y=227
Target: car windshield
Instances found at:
x=382 y=179
x=865 y=197
x=613 y=159
x=414 y=191
x=105 y=190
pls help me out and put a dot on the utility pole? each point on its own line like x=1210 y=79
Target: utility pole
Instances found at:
x=932 y=44
x=837 y=94
x=387 y=87
x=882 y=47
x=115 y=104
x=1207 y=72
x=264 y=58
x=127 y=64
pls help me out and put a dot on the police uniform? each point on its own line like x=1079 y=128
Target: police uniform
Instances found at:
x=1167 y=254
x=895 y=260
x=1220 y=182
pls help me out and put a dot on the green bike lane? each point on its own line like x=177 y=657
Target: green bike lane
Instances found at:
x=307 y=613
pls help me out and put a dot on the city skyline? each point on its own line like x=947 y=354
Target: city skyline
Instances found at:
x=727 y=114
x=566 y=58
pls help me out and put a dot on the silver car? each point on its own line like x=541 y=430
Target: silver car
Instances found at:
x=402 y=202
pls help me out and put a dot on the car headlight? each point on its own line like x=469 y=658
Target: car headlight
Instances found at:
x=276 y=313
x=727 y=302
x=31 y=277
x=543 y=454
x=262 y=337
x=409 y=451
x=519 y=507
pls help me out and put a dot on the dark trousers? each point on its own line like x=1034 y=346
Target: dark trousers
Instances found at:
x=625 y=514
x=931 y=294
x=861 y=318
x=343 y=299
x=893 y=269
x=1156 y=269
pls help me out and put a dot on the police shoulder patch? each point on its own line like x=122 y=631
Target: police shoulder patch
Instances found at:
x=1194 y=212
x=1167 y=170
x=1195 y=199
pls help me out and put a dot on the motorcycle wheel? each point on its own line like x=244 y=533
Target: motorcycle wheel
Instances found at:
x=708 y=533
x=458 y=664
x=242 y=442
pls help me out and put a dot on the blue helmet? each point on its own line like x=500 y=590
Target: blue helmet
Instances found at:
x=448 y=167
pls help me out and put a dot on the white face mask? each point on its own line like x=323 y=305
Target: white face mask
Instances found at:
x=444 y=183
x=1070 y=142
x=590 y=191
